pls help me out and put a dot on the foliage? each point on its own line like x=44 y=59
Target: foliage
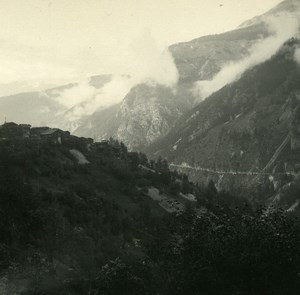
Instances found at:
x=91 y=229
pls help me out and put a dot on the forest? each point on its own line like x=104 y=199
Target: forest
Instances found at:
x=68 y=228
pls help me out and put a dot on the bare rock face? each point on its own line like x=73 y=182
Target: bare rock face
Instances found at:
x=202 y=58
x=146 y=114
x=248 y=126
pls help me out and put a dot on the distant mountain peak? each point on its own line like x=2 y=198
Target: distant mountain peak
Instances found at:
x=288 y=6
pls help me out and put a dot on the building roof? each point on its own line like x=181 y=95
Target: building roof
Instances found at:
x=49 y=131
x=10 y=124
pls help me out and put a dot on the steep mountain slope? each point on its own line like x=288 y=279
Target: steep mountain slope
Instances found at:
x=291 y=7
x=149 y=112
x=248 y=126
x=148 y=119
x=145 y=114
x=153 y=112
x=202 y=58
x=196 y=60
x=78 y=218
x=68 y=206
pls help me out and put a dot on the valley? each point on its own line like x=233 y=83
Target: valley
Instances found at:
x=177 y=172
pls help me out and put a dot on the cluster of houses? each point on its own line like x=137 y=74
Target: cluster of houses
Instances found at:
x=54 y=136
x=46 y=134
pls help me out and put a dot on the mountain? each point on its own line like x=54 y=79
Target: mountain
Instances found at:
x=246 y=133
x=34 y=107
x=202 y=58
x=148 y=111
x=68 y=206
x=197 y=60
x=78 y=217
x=289 y=7
x=42 y=108
x=145 y=114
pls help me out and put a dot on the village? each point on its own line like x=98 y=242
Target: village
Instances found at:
x=11 y=131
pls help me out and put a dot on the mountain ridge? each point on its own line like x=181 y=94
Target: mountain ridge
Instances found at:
x=197 y=60
x=228 y=130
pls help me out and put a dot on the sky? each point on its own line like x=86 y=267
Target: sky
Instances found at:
x=52 y=42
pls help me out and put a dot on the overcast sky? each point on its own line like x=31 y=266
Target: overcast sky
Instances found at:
x=46 y=42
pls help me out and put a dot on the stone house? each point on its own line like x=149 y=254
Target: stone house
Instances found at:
x=54 y=135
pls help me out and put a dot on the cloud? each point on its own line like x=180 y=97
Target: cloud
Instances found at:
x=76 y=95
x=84 y=99
x=146 y=63
x=281 y=28
x=151 y=63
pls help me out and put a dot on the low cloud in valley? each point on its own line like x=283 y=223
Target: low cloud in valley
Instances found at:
x=281 y=28
x=146 y=63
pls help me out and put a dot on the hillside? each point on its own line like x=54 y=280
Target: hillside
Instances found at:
x=185 y=183
x=152 y=115
x=146 y=114
x=202 y=58
x=287 y=6
x=196 y=60
x=78 y=217
x=156 y=108
x=68 y=206
x=242 y=127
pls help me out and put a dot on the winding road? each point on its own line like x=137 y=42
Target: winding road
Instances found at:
x=221 y=172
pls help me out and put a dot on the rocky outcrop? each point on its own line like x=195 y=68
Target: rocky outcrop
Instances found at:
x=243 y=126
x=147 y=113
x=202 y=58
x=149 y=118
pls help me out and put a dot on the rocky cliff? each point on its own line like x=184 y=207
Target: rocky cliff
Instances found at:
x=197 y=60
x=148 y=112
x=244 y=127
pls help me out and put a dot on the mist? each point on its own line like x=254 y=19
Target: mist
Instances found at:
x=146 y=63
x=84 y=99
x=281 y=28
